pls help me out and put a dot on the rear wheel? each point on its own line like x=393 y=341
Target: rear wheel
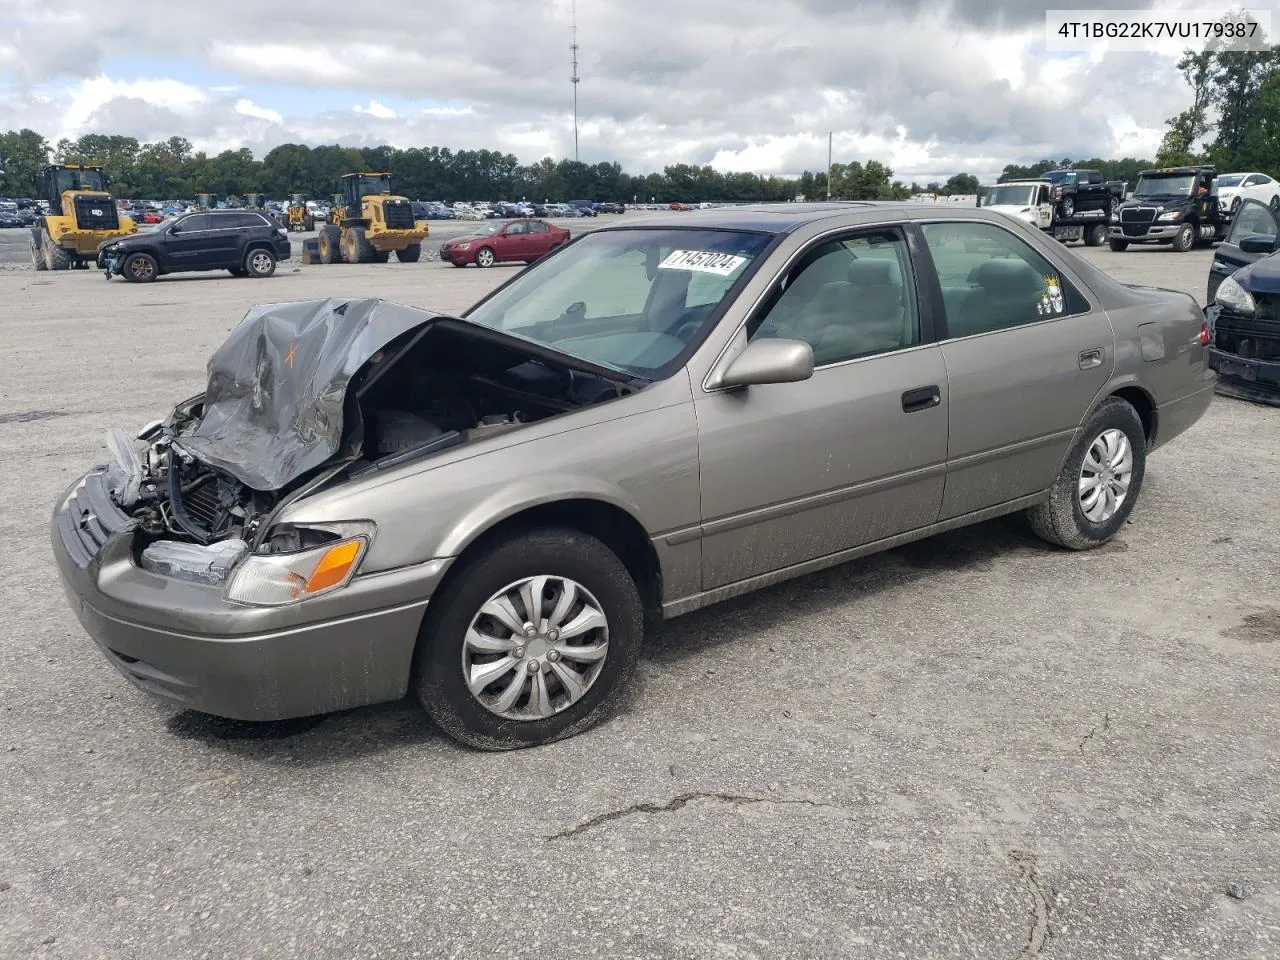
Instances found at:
x=1119 y=246
x=140 y=268
x=1099 y=483
x=485 y=257
x=410 y=254
x=356 y=246
x=260 y=263
x=1185 y=238
x=329 y=243
x=530 y=642
x=381 y=256
x=1095 y=236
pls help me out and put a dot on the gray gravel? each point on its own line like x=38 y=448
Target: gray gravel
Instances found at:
x=974 y=746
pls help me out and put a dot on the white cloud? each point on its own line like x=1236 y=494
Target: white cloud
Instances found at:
x=930 y=89
x=247 y=108
x=376 y=109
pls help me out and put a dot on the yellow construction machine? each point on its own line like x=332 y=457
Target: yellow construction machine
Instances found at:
x=82 y=216
x=300 y=218
x=369 y=223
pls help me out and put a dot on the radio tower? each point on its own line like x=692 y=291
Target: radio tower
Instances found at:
x=573 y=52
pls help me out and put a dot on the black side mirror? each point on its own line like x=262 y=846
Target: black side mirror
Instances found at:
x=1257 y=243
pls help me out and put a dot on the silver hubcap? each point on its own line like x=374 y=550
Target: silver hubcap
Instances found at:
x=535 y=648
x=261 y=262
x=1105 y=475
x=141 y=269
x=486 y=258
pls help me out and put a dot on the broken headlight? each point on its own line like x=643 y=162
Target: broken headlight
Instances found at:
x=1235 y=297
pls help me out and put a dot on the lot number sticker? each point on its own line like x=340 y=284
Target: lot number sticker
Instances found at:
x=702 y=261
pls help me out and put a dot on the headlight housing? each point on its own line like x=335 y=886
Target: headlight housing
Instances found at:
x=279 y=579
x=1234 y=297
x=1171 y=215
x=462 y=246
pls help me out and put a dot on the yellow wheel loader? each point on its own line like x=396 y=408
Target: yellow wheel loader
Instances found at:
x=369 y=223
x=82 y=216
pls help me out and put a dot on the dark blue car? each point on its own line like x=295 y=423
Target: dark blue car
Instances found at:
x=1244 y=306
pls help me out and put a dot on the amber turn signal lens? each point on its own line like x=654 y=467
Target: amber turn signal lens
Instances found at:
x=334 y=566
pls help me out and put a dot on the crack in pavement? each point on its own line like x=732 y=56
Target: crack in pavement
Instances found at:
x=1025 y=861
x=677 y=803
x=1106 y=725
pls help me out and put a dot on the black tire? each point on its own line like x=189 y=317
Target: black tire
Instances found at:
x=1119 y=246
x=259 y=263
x=55 y=258
x=238 y=271
x=438 y=677
x=356 y=247
x=139 y=268
x=1061 y=519
x=458 y=263
x=485 y=257
x=381 y=256
x=1185 y=238
x=1068 y=207
x=330 y=242
x=37 y=256
x=410 y=254
x=1095 y=235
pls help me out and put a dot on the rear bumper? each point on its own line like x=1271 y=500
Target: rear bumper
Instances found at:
x=182 y=641
x=1179 y=415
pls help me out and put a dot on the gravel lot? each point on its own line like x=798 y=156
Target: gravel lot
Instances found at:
x=975 y=746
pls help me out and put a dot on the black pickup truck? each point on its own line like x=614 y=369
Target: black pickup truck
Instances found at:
x=1174 y=205
x=1082 y=191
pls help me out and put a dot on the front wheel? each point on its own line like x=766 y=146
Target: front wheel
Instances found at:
x=1068 y=208
x=1119 y=246
x=530 y=642
x=260 y=263
x=140 y=268
x=1099 y=483
x=1185 y=238
x=329 y=244
x=485 y=257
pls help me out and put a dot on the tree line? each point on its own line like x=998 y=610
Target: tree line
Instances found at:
x=173 y=169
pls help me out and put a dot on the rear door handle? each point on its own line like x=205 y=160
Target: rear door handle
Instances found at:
x=1090 y=358
x=921 y=398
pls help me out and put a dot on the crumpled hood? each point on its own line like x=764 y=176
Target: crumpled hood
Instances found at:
x=273 y=408
x=1261 y=276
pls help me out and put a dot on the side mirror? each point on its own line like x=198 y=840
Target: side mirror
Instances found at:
x=770 y=361
x=1257 y=243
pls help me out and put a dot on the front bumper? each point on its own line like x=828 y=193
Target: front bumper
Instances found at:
x=1245 y=378
x=182 y=641
x=1152 y=232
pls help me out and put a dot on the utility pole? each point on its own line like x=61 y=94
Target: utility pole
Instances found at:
x=573 y=52
x=829 y=135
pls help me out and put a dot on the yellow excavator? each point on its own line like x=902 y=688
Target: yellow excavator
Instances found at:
x=369 y=223
x=82 y=215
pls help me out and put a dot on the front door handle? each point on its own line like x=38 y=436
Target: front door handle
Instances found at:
x=1090 y=358
x=921 y=398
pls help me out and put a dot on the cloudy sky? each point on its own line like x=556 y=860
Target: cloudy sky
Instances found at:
x=930 y=88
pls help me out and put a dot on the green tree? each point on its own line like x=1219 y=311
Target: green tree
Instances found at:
x=22 y=155
x=961 y=184
x=1260 y=148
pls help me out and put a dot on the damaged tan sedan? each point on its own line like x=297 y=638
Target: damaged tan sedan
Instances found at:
x=370 y=499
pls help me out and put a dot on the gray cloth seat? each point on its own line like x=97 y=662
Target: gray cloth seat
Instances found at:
x=1005 y=295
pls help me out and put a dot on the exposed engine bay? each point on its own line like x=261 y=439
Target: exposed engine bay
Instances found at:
x=215 y=473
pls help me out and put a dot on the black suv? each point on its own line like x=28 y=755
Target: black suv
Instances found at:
x=245 y=242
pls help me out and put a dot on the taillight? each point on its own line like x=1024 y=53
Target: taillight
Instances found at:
x=1204 y=334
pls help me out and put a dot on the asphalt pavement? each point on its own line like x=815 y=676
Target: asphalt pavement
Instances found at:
x=974 y=746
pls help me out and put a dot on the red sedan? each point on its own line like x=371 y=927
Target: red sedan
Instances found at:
x=515 y=240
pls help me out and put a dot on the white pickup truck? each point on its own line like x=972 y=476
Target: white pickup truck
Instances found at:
x=1032 y=201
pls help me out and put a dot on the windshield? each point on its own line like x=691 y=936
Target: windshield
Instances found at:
x=1230 y=181
x=374 y=186
x=1178 y=185
x=1020 y=196
x=488 y=230
x=632 y=300
x=80 y=180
